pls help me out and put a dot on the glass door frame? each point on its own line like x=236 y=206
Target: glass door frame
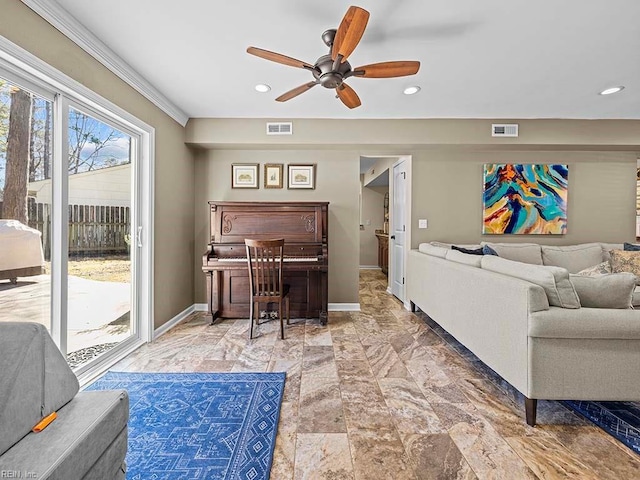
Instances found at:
x=16 y=64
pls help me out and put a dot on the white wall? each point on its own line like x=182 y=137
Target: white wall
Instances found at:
x=109 y=187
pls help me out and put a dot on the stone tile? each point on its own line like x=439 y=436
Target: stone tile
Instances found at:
x=320 y=407
x=436 y=456
x=379 y=454
x=355 y=368
x=317 y=335
x=323 y=457
x=293 y=369
x=319 y=361
x=214 y=366
x=487 y=452
x=348 y=347
x=285 y=448
x=547 y=458
x=385 y=362
x=410 y=411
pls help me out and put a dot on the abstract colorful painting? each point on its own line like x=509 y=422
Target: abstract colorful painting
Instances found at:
x=525 y=198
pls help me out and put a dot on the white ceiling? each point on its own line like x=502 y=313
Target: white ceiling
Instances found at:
x=480 y=59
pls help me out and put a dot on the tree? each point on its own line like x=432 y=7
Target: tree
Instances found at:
x=17 y=168
x=88 y=137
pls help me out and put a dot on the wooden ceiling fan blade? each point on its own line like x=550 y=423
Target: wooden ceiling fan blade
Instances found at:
x=387 y=69
x=349 y=32
x=295 y=92
x=278 y=58
x=348 y=96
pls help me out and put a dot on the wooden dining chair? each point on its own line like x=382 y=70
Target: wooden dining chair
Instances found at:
x=265 y=260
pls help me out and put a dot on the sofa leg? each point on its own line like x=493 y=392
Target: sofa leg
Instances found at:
x=530 y=406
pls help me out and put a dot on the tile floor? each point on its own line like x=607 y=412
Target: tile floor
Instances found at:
x=381 y=394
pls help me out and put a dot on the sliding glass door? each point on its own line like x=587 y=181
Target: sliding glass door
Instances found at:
x=71 y=222
x=25 y=229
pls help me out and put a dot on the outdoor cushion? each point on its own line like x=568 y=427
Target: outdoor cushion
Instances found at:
x=554 y=280
x=519 y=252
x=605 y=291
x=574 y=257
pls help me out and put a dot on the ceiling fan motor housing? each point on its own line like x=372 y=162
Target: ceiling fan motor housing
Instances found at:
x=326 y=75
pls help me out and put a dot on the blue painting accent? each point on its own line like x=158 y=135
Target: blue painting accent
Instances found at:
x=196 y=426
x=525 y=198
x=620 y=419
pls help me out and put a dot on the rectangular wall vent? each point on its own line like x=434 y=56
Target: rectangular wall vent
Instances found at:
x=504 y=130
x=279 y=128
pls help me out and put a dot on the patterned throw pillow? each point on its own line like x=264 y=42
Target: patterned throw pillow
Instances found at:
x=622 y=261
x=603 y=268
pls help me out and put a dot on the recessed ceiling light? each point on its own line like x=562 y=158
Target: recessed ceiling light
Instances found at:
x=262 y=88
x=611 y=90
x=411 y=90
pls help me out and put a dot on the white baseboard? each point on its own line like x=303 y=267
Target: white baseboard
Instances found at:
x=162 y=329
x=370 y=267
x=389 y=291
x=202 y=307
x=344 y=307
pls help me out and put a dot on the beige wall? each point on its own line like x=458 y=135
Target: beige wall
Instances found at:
x=446 y=179
x=447 y=191
x=174 y=208
x=337 y=181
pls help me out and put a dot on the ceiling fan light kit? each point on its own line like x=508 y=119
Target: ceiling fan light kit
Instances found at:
x=331 y=70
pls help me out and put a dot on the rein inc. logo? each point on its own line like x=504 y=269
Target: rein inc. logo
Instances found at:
x=17 y=474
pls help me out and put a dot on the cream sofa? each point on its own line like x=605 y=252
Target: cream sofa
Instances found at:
x=544 y=351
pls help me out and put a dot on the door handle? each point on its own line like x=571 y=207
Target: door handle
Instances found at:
x=393 y=237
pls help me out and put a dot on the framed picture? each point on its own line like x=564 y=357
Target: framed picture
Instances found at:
x=301 y=176
x=273 y=175
x=525 y=199
x=245 y=175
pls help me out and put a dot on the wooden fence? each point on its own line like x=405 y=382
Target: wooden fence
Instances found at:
x=93 y=229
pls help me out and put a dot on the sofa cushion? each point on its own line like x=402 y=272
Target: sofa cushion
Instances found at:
x=519 y=252
x=74 y=442
x=574 y=257
x=597 y=270
x=622 y=261
x=554 y=280
x=465 y=258
x=635 y=300
x=430 y=249
x=614 y=290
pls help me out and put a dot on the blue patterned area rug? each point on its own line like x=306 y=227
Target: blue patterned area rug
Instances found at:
x=193 y=426
x=619 y=419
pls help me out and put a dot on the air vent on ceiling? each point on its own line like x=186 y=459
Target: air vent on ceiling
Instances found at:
x=279 y=128
x=504 y=130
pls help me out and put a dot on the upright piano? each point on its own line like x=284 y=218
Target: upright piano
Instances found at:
x=303 y=225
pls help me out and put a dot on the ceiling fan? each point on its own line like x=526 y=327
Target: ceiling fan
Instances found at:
x=332 y=70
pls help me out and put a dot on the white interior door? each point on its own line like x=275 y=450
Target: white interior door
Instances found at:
x=398 y=228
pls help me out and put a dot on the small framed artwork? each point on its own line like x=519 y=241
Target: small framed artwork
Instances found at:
x=301 y=176
x=273 y=175
x=245 y=175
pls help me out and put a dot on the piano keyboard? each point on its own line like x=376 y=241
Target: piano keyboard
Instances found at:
x=286 y=259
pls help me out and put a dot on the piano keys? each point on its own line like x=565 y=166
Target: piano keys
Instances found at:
x=304 y=227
